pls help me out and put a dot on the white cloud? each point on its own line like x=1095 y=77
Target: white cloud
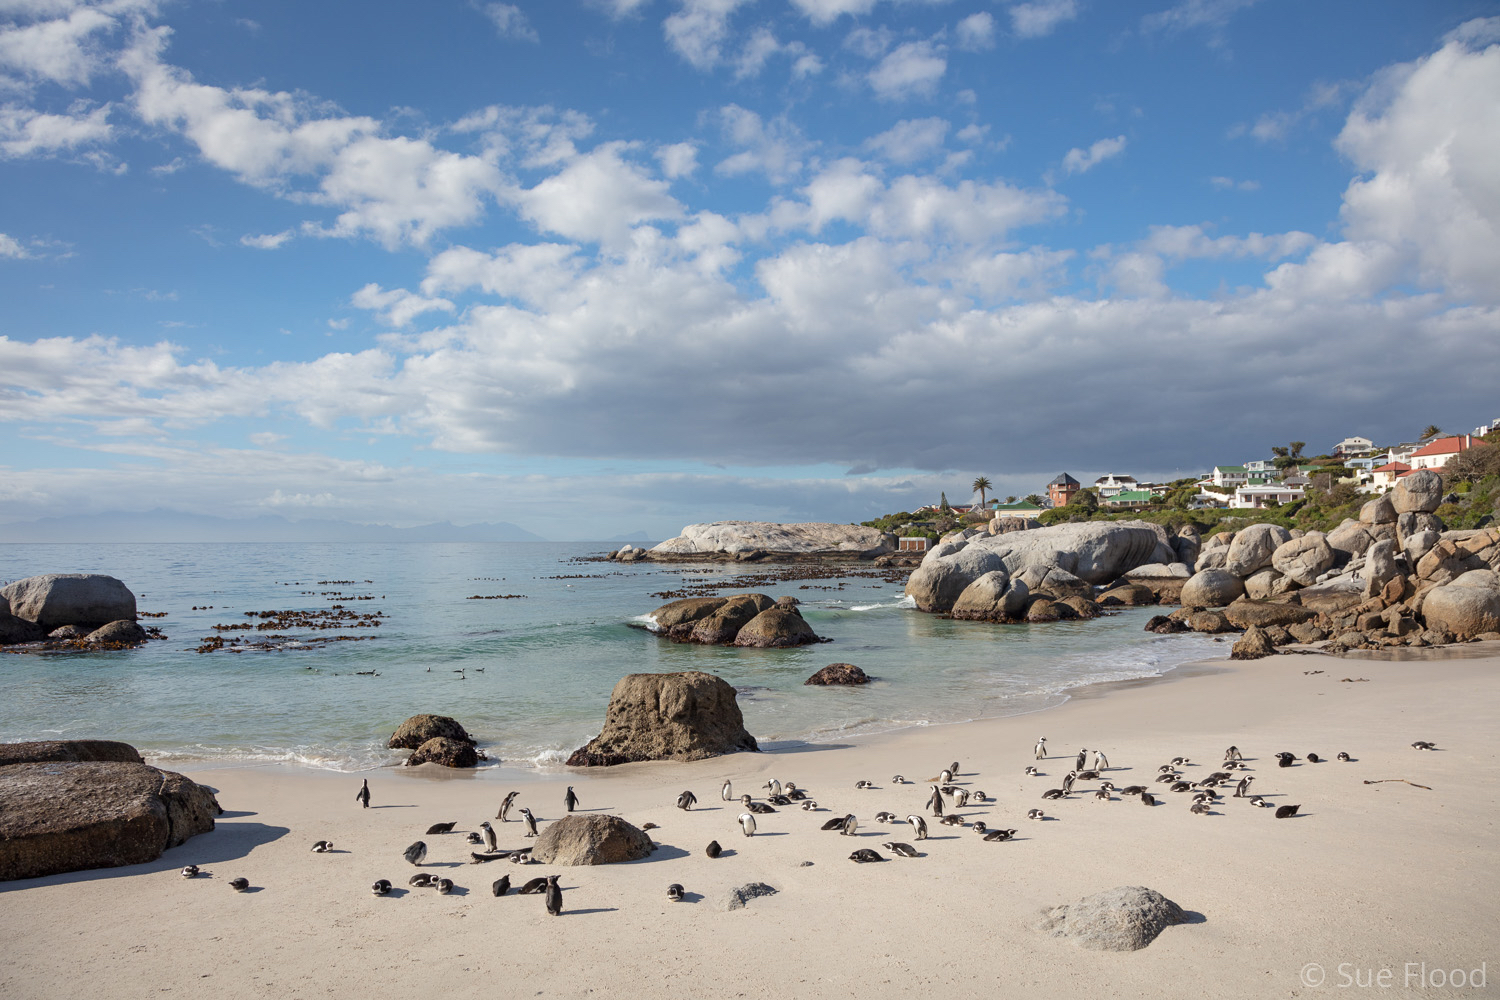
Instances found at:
x=871 y=43
x=912 y=69
x=1274 y=126
x=910 y=140
x=1080 y=160
x=597 y=197
x=762 y=46
x=63 y=50
x=266 y=439
x=1041 y=17
x=678 y=160
x=280 y=499
x=536 y=275
x=510 y=22
x=1188 y=242
x=975 y=32
x=397 y=307
x=1212 y=15
x=825 y=12
x=267 y=241
x=12 y=248
x=698 y=29
x=1230 y=184
x=24 y=132
x=774 y=148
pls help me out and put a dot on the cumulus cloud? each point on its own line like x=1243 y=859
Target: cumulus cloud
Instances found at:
x=774 y=148
x=63 y=42
x=678 y=160
x=25 y=132
x=598 y=197
x=911 y=69
x=12 y=248
x=910 y=140
x=1082 y=160
x=1039 y=18
x=267 y=241
x=510 y=22
x=397 y=307
x=975 y=32
x=697 y=30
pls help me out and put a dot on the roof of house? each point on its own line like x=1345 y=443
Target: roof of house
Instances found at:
x=1131 y=496
x=1229 y=468
x=1018 y=505
x=1393 y=467
x=1065 y=480
x=1114 y=478
x=1443 y=446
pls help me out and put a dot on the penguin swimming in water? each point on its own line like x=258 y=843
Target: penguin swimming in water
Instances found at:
x=1041 y=748
x=363 y=795
x=570 y=800
x=747 y=824
x=901 y=850
x=416 y=853
x=490 y=843
x=239 y=884
x=437 y=828
x=713 y=849
x=675 y=892
x=530 y=821
x=500 y=886
x=381 y=888
x=686 y=801
x=918 y=826
x=504 y=814
x=864 y=855
x=727 y=792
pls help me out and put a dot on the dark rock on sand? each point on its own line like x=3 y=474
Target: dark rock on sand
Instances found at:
x=420 y=728
x=1254 y=644
x=66 y=816
x=68 y=750
x=683 y=716
x=591 y=840
x=1163 y=625
x=839 y=673
x=1212 y=622
x=1124 y=919
x=444 y=751
x=736 y=898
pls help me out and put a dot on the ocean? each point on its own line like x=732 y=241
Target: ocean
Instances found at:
x=528 y=675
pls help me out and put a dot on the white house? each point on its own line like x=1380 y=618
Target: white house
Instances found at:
x=1264 y=496
x=1230 y=475
x=1401 y=453
x=1436 y=454
x=1385 y=477
x=1482 y=429
x=1111 y=484
x=1260 y=467
x=1353 y=446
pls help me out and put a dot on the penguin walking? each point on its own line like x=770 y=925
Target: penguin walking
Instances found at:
x=936 y=802
x=1101 y=762
x=363 y=795
x=918 y=826
x=554 y=896
x=1233 y=753
x=686 y=801
x=570 y=800
x=1083 y=756
x=490 y=843
x=504 y=814
x=1041 y=749
x=416 y=853
x=727 y=792
x=1243 y=788
x=530 y=821
x=747 y=824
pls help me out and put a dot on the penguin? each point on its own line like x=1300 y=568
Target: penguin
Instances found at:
x=190 y=871
x=1180 y=761
x=1233 y=753
x=1053 y=793
x=1068 y=780
x=504 y=814
x=1216 y=777
x=1257 y=800
x=490 y=842
x=1343 y=756
x=980 y=827
x=809 y=805
x=1035 y=814
x=1283 y=812
x=779 y=800
x=1132 y=789
x=961 y=798
x=1182 y=786
x=1200 y=808
x=675 y=892
x=899 y=780
x=322 y=846
x=520 y=857
x=1243 y=787
x=862 y=785
x=836 y=823
x=901 y=850
x=570 y=800
x=1083 y=756
x=474 y=837
x=756 y=807
x=479 y=859
x=533 y=887
x=1166 y=769
x=999 y=836
x=935 y=803
x=686 y=801
x=773 y=786
x=1041 y=748
x=864 y=855
x=443 y=886
x=1169 y=776
x=727 y=792
x=239 y=884
x=979 y=797
x=795 y=794
x=918 y=826
x=1032 y=772
x=1147 y=799
x=1102 y=795
x=438 y=828
x=381 y=887
x=851 y=824
x=500 y=886
x=1423 y=745
x=421 y=881
x=416 y=853
x=1101 y=762
x=713 y=849
x=1313 y=758
x=747 y=824
x=363 y=795
x=945 y=777
x=885 y=817
x=952 y=819
x=1089 y=775
x=530 y=821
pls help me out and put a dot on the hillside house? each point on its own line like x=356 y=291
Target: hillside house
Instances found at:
x=1229 y=475
x=1353 y=446
x=1111 y=484
x=1130 y=499
x=1018 y=509
x=1436 y=454
x=1060 y=491
x=1385 y=477
x=1264 y=495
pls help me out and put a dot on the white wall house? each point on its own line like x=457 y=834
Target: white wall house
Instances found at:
x=1230 y=475
x=1111 y=484
x=1354 y=446
x=1436 y=454
x=1384 y=477
x=1264 y=496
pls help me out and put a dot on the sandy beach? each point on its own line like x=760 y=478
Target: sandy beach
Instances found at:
x=1384 y=884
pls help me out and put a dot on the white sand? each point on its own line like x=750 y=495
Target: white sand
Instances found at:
x=1368 y=877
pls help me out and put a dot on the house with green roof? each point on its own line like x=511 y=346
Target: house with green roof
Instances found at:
x=1018 y=509
x=1130 y=499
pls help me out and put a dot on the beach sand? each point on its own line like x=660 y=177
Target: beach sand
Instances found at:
x=1368 y=877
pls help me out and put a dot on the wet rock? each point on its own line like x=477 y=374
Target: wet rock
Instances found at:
x=1210 y=622
x=682 y=716
x=418 y=729
x=123 y=633
x=1162 y=625
x=1124 y=919
x=1081 y=607
x=444 y=751
x=1254 y=644
x=54 y=599
x=68 y=632
x=590 y=840
x=1306 y=632
x=992 y=597
x=776 y=628
x=728 y=618
x=839 y=673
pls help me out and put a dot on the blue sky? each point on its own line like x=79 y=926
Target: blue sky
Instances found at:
x=600 y=266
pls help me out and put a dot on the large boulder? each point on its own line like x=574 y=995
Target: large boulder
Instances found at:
x=1304 y=559
x=728 y=618
x=1211 y=588
x=1351 y=538
x=992 y=597
x=70 y=599
x=1467 y=607
x=1254 y=644
x=444 y=751
x=68 y=750
x=1129 y=594
x=67 y=816
x=1380 y=566
x=1378 y=511
x=590 y=840
x=1339 y=593
x=1422 y=491
x=1091 y=552
x=1266 y=583
x=776 y=628
x=14 y=631
x=685 y=611
x=733 y=537
x=838 y=673
x=1247 y=614
x=418 y=729
x=1124 y=919
x=116 y=634
x=683 y=716
x=1253 y=548
x=1187 y=544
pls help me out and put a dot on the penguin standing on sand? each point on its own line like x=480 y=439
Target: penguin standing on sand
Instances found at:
x=504 y=814
x=918 y=826
x=363 y=795
x=1243 y=787
x=1101 y=762
x=501 y=885
x=687 y=800
x=570 y=800
x=1041 y=748
x=936 y=802
x=530 y=822
x=727 y=792
x=490 y=842
x=1083 y=756
x=416 y=853
x=554 y=896
x=747 y=824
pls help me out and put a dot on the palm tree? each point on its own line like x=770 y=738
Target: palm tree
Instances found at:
x=980 y=485
x=1034 y=499
x=1432 y=431
x=1297 y=447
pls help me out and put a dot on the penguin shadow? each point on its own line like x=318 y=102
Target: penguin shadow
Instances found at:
x=404 y=805
x=596 y=909
x=443 y=864
x=458 y=890
x=771 y=833
x=396 y=893
x=706 y=809
x=336 y=850
x=728 y=852
x=694 y=897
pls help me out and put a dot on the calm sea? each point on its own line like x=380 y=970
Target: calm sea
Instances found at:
x=529 y=676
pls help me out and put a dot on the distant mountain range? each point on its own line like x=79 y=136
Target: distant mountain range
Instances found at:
x=174 y=526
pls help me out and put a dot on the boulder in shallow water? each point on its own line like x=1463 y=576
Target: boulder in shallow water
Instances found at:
x=444 y=751
x=120 y=633
x=54 y=599
x=776 y=628
x=683 y=716
x=420 y=728
x=590 y=840
x=1124 y=919
x=68 y=816
x=839 y=673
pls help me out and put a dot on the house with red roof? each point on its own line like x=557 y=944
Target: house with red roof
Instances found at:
x=1385 y=477
x=1436 y=454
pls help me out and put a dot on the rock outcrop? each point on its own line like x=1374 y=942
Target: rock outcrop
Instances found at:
x=776 y=628
x=1253 y=548
x=737 y=897
x=1212 y=588
x=732 y=538
x=839 y=673
x=445 y=751
x=66 y=816
x=1254 y=644
x=68 y=750
x=56 y=599
x=993 y=597
x=1420 y=492
x=741 y=620
x=1467 y=607
x=1124 y=919
x=418 y=729
x=684 y=716
x=1303 y=560
x=1249 y=614
x=590 y=840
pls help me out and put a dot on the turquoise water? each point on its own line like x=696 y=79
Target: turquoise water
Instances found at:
x=537 y=671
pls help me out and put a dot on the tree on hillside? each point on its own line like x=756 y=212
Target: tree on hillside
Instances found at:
x=1432 y=431
x=1086 y=499
x=1473 y=464
x=943 y=503
x=980 y=486
x=1033 y=499
x=1296 y=448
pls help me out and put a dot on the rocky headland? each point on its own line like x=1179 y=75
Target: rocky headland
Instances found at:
x=755 y=541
